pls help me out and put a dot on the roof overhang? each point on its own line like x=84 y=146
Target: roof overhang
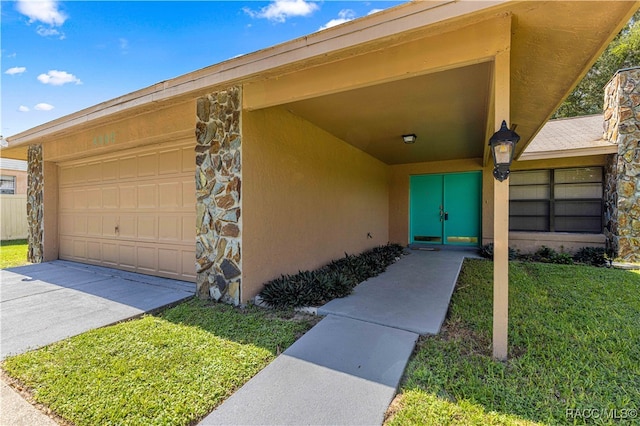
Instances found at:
x=436 y=57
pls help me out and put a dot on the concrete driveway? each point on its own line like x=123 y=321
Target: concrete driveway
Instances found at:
x=43 y=303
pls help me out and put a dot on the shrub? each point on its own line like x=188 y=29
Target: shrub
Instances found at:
x=548 y=255
x=596 y=256
x=486 y=251
x=337 y=279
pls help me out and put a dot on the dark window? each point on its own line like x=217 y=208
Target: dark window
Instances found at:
x=560 y=200
x=7 y=184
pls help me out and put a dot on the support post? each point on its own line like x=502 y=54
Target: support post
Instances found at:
x=502 y=76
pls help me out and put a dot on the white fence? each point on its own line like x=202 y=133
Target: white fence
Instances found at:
x=13 y=216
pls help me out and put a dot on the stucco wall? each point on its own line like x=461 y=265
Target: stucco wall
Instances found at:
x=308 y=197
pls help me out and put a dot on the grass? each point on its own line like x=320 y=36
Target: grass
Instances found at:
x=13 y=253
x=574 y=344
x=170 y=369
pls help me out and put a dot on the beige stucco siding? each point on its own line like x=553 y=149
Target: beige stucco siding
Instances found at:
x=307 y=197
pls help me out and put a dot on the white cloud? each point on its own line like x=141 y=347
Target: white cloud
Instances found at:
x=45 y=11
x=372 y=11
x=49 y=32
x=58 y=78
x=281 y=10
x=43 y=107
x=345 y=15
x=15 y=70
x=23 y=108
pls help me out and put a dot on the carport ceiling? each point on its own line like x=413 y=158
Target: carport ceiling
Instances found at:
x=447 y=110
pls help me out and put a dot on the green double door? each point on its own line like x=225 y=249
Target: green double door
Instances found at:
x=446 y=209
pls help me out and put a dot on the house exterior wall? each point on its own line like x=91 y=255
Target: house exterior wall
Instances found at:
x=307 y=197
x=622 y=126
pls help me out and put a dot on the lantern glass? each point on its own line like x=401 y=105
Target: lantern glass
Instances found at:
x=502 y=153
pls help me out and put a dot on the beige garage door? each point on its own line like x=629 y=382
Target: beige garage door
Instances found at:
x=133 y=211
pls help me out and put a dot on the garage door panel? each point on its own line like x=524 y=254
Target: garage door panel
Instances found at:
x=65 y=222
x=127 y=168
x=94 y=198
x=147 y=165
x=188 y=265
x=79 y=249
x=147 y=259
x=66 y=248
x=147 y=228
x=109 y=170
x=147 y=196
x=110 y=254
x=127 y=256
x=94 y=225
x=80 y=199
x=80 y=225
x=110 y=197
x=65 y=197
x=169 y=162
x=127 y=227
x=134 y=211
x=168 y=262
x=109 y=226
x=169 y=229
x=94 y=252
x=188 y=230
x=188 y=189
x=169 y=195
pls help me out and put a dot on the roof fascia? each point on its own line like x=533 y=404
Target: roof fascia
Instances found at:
x=401 y=19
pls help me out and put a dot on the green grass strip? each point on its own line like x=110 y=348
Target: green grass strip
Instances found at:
x=574 y=343
x=13 y=253
x=167 y=370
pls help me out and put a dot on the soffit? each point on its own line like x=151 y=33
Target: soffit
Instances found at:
x=447 y=101
x=447 y=110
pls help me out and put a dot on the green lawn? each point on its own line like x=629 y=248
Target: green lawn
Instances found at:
x=13 y=253
x=574 y=345
x=170 y=369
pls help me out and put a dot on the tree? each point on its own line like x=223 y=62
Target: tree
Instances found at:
x=622 y=52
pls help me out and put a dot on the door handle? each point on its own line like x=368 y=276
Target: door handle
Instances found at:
x=446 y=216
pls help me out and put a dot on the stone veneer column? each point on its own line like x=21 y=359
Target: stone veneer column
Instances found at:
x=622 y=126
x=35 y=206
x=218 y=205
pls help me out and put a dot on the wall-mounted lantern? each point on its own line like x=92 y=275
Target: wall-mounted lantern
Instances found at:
x=503 y=143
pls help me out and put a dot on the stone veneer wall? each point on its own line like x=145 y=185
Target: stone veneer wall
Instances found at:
x=622 y=126
x=35 y=207
x=218 y=205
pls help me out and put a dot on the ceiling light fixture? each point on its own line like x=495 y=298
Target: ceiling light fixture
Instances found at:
x=409 y=139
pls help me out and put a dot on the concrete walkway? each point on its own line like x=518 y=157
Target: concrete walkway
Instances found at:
x=43 y=303
x=346 y=369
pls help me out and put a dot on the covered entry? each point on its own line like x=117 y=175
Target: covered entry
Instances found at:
x=446 y=208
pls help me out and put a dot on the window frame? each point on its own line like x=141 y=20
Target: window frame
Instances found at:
x=552 y=200
x=8 y=178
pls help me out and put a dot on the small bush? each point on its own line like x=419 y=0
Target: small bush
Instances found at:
x=486 y=251
x=337 y=279
x=595 y=256
x=548 y=255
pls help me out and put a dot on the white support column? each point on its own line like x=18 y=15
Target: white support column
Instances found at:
x=502 y=76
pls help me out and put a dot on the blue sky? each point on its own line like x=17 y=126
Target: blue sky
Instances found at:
x=59 y=57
